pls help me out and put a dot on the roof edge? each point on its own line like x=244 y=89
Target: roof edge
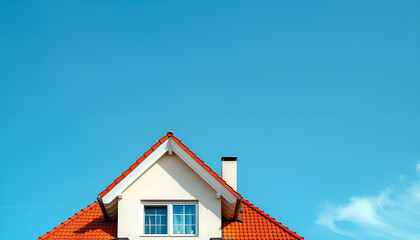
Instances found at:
x=273 y=220
x=132 y=167
x=69 y=220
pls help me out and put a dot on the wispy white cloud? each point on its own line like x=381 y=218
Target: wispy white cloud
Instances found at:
x=391 y=214
x=418 y=167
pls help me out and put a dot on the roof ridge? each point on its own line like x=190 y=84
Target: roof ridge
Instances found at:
x=69 y=220
x=271 y=219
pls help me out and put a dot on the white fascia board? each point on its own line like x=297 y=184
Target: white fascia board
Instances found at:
x=168 y=145
x=202 y=172
x=136 y=173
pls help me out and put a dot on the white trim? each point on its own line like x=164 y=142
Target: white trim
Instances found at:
x=167 y=145
x=136 y=173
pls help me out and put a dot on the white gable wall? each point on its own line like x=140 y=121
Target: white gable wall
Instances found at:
x=169 y=179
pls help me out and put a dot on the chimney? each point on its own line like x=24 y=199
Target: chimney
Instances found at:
x=229 y=171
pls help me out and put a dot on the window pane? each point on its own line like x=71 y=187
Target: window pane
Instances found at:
x=190 y=229
x=149 y=210
x=190 y=209
x=161 y=210
x=178 y=219
x=162 y=220
x=155 y=220
x=178 y=229
x=189 y=219
x=184 y=217
x=178 y=209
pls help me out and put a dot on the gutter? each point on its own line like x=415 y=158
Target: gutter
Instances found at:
x=237 y=207
x=101 y=204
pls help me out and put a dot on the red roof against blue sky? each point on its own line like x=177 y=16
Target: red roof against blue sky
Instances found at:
x=90 y=222
x=318 y=99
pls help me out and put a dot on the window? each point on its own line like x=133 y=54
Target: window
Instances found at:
x=155 y=220
x=170 y=218
x=184 y=219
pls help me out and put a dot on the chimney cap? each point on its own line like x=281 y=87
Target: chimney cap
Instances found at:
x=229 y=158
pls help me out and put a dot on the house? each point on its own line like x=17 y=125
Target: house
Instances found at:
x=169 y=193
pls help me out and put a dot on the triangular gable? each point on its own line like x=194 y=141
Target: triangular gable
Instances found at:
x=169 y=143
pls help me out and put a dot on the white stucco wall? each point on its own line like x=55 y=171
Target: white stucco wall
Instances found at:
x=169 y=179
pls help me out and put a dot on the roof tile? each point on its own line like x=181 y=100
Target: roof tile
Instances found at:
x=119 y=178
x=256 y=225
x=149 y=152
x=132 y=167
x=126 y=172
x=86 y=225
x=111 y=186
x=141 y=159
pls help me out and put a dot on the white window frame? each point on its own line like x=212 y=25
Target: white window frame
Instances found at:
x=169 y=207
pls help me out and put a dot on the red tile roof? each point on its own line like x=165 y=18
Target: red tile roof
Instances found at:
x=170 y=134
x=86 y=224
x=256 y=225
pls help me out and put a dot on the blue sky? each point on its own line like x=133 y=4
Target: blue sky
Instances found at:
x=320 y=100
